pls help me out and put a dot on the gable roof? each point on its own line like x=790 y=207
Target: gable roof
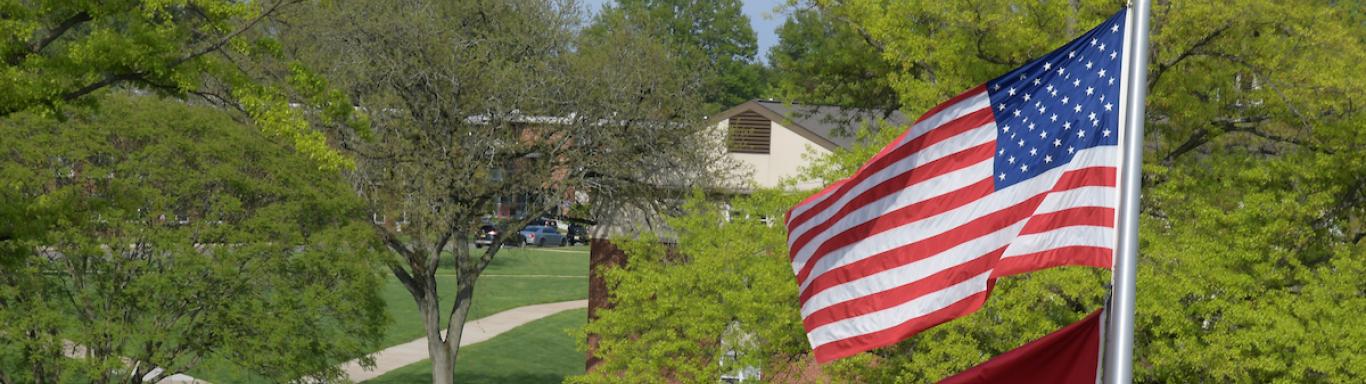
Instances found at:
x=830 y=126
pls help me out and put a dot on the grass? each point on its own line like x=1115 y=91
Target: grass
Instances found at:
x=540 y=352
x=516 y=277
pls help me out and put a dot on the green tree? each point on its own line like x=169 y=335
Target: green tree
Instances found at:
x=57 y=53
x=821 y=59
x=161 y=234
x=713 y=38
x=1252 y=227
x=479 y=102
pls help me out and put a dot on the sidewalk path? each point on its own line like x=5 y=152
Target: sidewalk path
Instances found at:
x=398 y=356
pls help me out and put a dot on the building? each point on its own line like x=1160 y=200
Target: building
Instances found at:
x=774 y=140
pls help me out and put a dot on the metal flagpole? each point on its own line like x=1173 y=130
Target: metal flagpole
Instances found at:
x=1119 y=347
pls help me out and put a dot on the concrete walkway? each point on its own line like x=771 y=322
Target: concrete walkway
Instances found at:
x=398 y=356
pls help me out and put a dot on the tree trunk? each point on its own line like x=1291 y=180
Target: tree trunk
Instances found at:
x=443 y=362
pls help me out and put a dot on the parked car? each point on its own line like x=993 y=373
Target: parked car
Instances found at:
x=578 y=234
x=487 y=234
x=541 y=235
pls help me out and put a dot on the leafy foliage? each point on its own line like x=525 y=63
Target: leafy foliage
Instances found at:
x=1252 y=228
x=162 y=234
x=713 y=39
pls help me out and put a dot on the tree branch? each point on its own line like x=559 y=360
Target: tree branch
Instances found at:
x=52 y=35
x=1192 y=50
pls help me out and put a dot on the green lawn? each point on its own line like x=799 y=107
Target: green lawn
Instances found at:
x=540 y=352
x=516 y=277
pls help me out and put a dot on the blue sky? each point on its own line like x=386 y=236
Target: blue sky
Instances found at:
x=761 y=17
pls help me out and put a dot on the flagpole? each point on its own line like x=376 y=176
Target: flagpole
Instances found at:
x=1119 y=347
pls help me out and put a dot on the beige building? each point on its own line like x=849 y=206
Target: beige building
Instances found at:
x=774 y=140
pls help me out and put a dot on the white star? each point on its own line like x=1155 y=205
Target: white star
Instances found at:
x=1054 y=92
x=1043 y=134
x=1071 y=54
x=1108 y=106
x=1112 y=81
x=1036 y=81
x=1105 y=133
x=1049 y=87
x=1026 y=97
x=1024 y=168
x=1047 y=66
x=1002 y=152
x=1088 y=65
x=1047 y=158
x=1011 y=91
x=1112 y=54
x=1017 y=113
x=1064 y=100
x=1081 y=133
x=1057 y=142
x=1061 y=70
x=1102 y=72
x=1070 y=150
x=1076 y=82
x=1001 y=106
x=1031 y=126
x=1003 y=177
x=1021 y=142
x=1095 y=122
x=1114 y=28
x=1089 y=90
x=1033 y=151
x=1093 y=42
x=1077 y=108
x=1102 y=97
x=1067 y=125
x=1053 y=118
x=1011 y=160
x=1022 y=77
x=1092 y=116
x=1007 y=129
x=1102 y=47
x=996 y=87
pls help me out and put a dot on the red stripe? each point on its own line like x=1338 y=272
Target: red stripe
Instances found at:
x=1090 y=216
x=1076 y=255
x=854 y=345
x=908 y=214
x=1097 y=176
x=910 y=178
x=901 y=294
x=927 y=247
x=953 y=128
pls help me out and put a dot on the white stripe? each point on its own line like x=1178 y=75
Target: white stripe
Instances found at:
x=1093 y=196
x=1091 y=236
x=891 y=317
x=964 y=107
x=935 y=225
x=972 y=138
x=912 y=272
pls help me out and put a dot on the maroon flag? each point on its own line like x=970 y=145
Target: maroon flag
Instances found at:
x=1068 y=356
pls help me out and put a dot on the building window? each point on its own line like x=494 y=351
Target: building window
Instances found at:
x=748 y=133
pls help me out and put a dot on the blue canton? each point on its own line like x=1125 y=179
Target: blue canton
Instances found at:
x=1066 y=101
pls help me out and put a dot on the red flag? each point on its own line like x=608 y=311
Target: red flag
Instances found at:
x=1068 y=356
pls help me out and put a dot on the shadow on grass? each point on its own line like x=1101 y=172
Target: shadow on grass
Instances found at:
x=478 y=378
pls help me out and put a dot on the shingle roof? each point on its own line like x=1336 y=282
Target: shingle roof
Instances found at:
x=831 y=123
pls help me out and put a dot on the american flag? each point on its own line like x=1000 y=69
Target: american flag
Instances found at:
x=1013 y=176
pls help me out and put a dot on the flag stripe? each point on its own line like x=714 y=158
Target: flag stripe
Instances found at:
x=853 y=345
x=1092 y=216
x=1099 y=257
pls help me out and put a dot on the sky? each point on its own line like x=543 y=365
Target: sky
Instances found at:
x=761 y=17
